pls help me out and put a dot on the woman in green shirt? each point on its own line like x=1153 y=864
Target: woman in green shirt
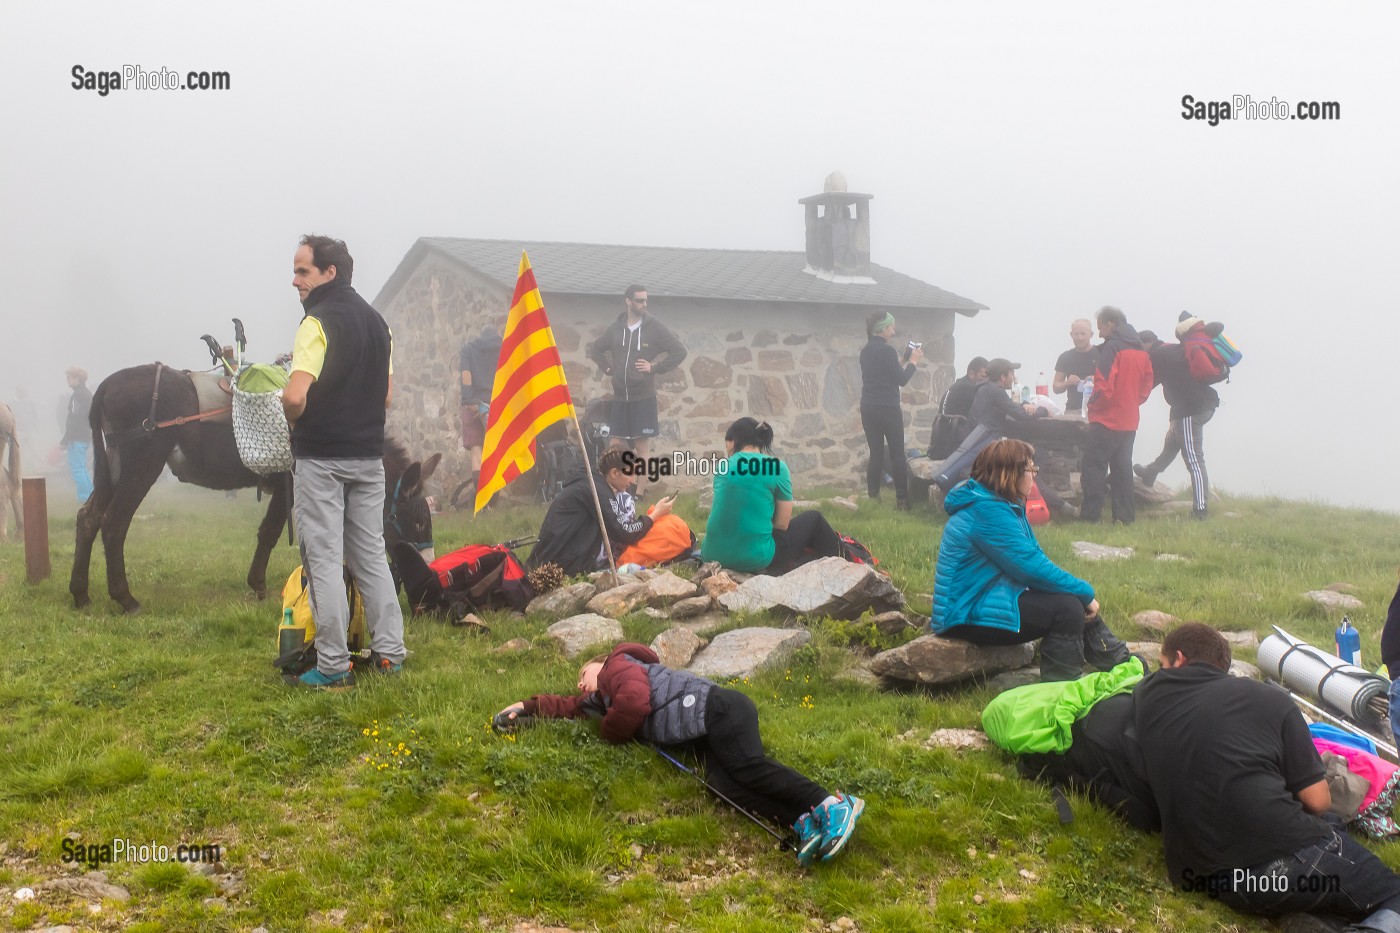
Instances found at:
x=751 y=527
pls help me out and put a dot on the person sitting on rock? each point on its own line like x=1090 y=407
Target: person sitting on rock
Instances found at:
x=637 y=697
x=751 y=527
x=993 y=585
x=569 y=535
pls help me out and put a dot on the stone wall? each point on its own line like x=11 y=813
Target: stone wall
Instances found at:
x=793 y=365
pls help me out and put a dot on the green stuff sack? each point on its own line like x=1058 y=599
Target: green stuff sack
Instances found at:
x=262 y=377
x=296 y=636
x=1038 y=717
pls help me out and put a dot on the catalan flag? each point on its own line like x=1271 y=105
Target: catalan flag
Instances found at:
x=529 y=393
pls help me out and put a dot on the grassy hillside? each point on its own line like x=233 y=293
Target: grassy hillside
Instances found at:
x=171 y=727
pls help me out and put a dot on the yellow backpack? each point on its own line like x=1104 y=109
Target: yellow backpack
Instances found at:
x=296 y=635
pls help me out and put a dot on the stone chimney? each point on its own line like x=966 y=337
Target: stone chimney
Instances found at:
x=838 y=232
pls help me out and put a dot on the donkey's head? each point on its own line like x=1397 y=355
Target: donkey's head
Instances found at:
x=407 y=516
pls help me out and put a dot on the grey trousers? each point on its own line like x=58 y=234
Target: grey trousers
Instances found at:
x=338 y=506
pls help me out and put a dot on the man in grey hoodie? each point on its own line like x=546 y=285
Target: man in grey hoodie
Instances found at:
x=633 y=350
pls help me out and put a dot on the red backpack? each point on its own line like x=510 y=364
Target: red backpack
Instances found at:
x=1037 y=512
x=470 y=579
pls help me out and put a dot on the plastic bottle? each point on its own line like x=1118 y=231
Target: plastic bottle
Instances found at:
x=289 y=638
x=1348 y=642
x=1042 y=385
x=1086 y=389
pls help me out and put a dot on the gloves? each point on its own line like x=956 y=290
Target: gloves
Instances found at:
x=503 y=722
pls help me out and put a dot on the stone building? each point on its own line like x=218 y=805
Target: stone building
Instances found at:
x=772 y=334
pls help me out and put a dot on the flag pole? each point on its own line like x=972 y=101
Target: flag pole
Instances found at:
x=593 y=488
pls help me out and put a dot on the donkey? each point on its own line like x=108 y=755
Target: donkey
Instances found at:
x=9 y=472
x=146 y=417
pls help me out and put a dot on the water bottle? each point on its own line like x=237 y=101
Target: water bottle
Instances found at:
x=1348 y=642
x=289 y=637
x=1086 y=389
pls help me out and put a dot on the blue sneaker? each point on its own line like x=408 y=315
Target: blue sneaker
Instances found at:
x=318 y=681
x=809 y=838
x=838 y=822
x=382 y=665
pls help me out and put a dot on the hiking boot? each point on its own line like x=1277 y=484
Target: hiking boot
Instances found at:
x=1199 y=514
x=809 y=838
x=1103 y=649
x=318 y=681
x=838 y=821
x=382 y=665
x=1146 y=474
x=901 y=505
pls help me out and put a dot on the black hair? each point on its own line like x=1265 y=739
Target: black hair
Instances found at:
x=1199 y=643
x=327 y=252
x=748 y=432
x=874 y=318
x=1111 y=315
x=633 y=289
x=612 y=459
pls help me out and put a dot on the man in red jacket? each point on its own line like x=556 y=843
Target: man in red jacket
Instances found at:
x=1122 y=383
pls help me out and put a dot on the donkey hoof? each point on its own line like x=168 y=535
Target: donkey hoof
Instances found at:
x=131 y=607
x=80 y=601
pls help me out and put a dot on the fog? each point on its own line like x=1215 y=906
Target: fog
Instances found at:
x=1031 y=157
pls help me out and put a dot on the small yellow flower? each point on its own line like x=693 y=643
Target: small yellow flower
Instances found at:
x=408 y=751
x=375 y=732
x=364 y=732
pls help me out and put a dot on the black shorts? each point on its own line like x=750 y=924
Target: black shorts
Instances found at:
x=634 y=419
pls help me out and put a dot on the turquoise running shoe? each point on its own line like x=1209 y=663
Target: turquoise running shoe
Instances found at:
x=838 y=821
x=809 y=838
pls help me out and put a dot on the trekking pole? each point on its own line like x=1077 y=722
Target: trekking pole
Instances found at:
x=760 y=823
x=514 y=543
x=1341 y=723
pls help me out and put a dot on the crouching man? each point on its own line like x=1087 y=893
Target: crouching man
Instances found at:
x=1242 y=794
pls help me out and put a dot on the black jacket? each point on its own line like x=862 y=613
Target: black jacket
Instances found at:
x=616 y=352
x=881 y=374
x=344 y=416
x=569 y=535
x=958 y=399
x=75 y=428
x=1184 y=393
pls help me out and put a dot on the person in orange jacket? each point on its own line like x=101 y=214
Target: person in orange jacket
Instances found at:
x=1122 y=382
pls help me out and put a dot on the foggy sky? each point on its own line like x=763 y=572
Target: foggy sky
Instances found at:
x=1031 y=157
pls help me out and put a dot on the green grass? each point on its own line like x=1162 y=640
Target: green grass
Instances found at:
x=171 y=727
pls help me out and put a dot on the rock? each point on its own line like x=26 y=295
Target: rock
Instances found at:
x=603 y=579
x=931 y=659
x=562 y=602
x=1156 y=621
x=858 y=674
x=577 y=634
x=619 y=600
x=651 y=612
x=702 y=624
x=1244 y=669
x=925 y=469
x=514 y=646
x=666 y=587
x=1346 y=588
x=218 y=902
x=957 y=739
x=694 y=606
x=24 y=894
x=707 y=569
x=844 y=502
x=1331 y=600
x=893 y=622
x=676 y=646
x=93 y=886
x=61 y=928
x=1151 y=650
x=740 y=652
x=1088 y=550
x=829 y=586
x=1241 y=639
x=1009 y=680
x=718 y=584
x=1170 y=557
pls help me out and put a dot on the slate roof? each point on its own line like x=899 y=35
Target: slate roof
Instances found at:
x=728 y=274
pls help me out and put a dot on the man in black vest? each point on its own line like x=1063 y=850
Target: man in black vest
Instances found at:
x=340 y=386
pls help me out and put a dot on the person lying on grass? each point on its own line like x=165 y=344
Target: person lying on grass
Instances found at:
x=637 y=697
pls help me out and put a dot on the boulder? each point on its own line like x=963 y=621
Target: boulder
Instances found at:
x=577 y=634
x=956 y=739
x=603 y=579
x=666 y=587
x=619 y=600
x=1008 y=680
x=708 y=569
x=1244 y=669
x=514 y=646
x=562 y=602
x=676 y=646
x=1334 y=601
x=702 y=624
x=1156 y=621
x=1151 y=650
x=932 y=659
x=1239 y=640
x=893 y=622
x=740 y=652
x=830 y=586
x=1088 y=550
x=93 y=886
x=717 y=584
x=860 y=674
x=694 y=606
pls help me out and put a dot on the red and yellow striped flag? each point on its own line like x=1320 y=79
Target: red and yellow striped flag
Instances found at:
x=529 y=393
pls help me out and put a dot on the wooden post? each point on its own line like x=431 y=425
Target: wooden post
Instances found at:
x=36 y=529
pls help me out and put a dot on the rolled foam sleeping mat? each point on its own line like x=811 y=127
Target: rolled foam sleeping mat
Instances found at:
x=1344 y=688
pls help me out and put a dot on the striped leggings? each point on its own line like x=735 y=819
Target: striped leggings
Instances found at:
x=1186 y=436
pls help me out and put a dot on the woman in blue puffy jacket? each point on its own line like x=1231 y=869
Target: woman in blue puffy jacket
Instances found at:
x=995 y=586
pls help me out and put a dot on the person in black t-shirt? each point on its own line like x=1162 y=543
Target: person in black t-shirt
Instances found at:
x=952 y=425
x=1242 y=793
x=1076 y=364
